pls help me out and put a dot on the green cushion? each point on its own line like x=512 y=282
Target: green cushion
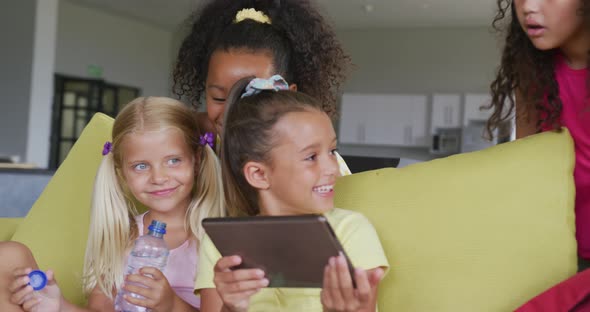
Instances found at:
x=56 y=227
x=483 y=231
x=7 y=227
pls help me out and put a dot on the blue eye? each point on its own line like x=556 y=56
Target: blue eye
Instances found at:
x=140 y=167
x=173 y=161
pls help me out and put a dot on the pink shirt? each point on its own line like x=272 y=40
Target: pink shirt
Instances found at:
x=181 y=269
x=575 y=116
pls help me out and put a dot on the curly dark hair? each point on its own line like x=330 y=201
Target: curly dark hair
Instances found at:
x=304 y=47
x=527 y=70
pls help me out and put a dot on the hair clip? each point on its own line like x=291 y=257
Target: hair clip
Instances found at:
x=252 y=14
x=107 y=148
x=207 y=139
x=257 y=85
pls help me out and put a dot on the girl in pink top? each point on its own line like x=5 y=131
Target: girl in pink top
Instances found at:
x=543 y=78
x=160 y=158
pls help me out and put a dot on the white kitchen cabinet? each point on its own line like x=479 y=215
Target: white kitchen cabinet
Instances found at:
x=473 y=108
x=446 y=111
x=384 y=119
x=353 y=119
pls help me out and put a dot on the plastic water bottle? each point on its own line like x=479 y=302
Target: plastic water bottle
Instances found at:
x=150 y=250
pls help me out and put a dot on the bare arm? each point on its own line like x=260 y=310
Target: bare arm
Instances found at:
x=159 y=296
x=97 y=302
x=233 y=288
x=182 y=306
x=374 y=292
x=338 y=295
x=210 y=300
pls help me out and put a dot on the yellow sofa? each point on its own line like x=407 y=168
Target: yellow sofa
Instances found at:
x=483 y=231
x=8 y=227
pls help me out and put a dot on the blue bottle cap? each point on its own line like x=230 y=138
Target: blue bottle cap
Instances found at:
x=38 y=279
x=157 y=227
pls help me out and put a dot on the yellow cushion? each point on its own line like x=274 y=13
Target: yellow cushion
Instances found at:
x=56 y=227
x=8 y=226
x=484 y=231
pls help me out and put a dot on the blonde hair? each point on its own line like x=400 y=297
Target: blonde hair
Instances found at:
x=112 y=225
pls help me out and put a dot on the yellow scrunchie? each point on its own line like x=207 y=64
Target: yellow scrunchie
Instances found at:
x=252 y=14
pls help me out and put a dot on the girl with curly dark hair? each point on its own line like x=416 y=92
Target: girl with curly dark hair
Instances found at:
x=543 y=80
x=233 y=39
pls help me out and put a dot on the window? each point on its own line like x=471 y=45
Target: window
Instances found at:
x=75 y=101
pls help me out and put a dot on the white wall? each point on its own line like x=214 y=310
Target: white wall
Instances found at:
x=421 y=59
x=17 y=24
x=52 y=36
x=129 y=51
x=178 y=35
x=38 y=139
x=418 y=60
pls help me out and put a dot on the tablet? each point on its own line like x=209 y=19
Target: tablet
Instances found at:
x=291 y=250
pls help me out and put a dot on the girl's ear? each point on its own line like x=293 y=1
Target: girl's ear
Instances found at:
x=293 y=87
x=256 y=174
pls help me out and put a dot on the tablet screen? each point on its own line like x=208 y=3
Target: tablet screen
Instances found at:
x=292 y=250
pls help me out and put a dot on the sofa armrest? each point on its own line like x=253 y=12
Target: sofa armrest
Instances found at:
x=7 y=227
x=481 y=231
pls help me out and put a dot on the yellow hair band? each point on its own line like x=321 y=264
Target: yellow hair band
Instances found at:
x=252 y=14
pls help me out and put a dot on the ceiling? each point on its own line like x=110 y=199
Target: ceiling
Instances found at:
x=346 y=14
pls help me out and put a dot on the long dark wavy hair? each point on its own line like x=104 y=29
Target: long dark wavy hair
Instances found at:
x=526 y=70
x=303 y=44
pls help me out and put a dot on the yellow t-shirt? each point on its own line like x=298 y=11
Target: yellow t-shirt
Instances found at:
x=355 y=233
x=344 y=171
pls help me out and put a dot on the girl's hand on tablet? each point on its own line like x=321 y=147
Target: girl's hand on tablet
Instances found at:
x=338 y=293
x=235 y=287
